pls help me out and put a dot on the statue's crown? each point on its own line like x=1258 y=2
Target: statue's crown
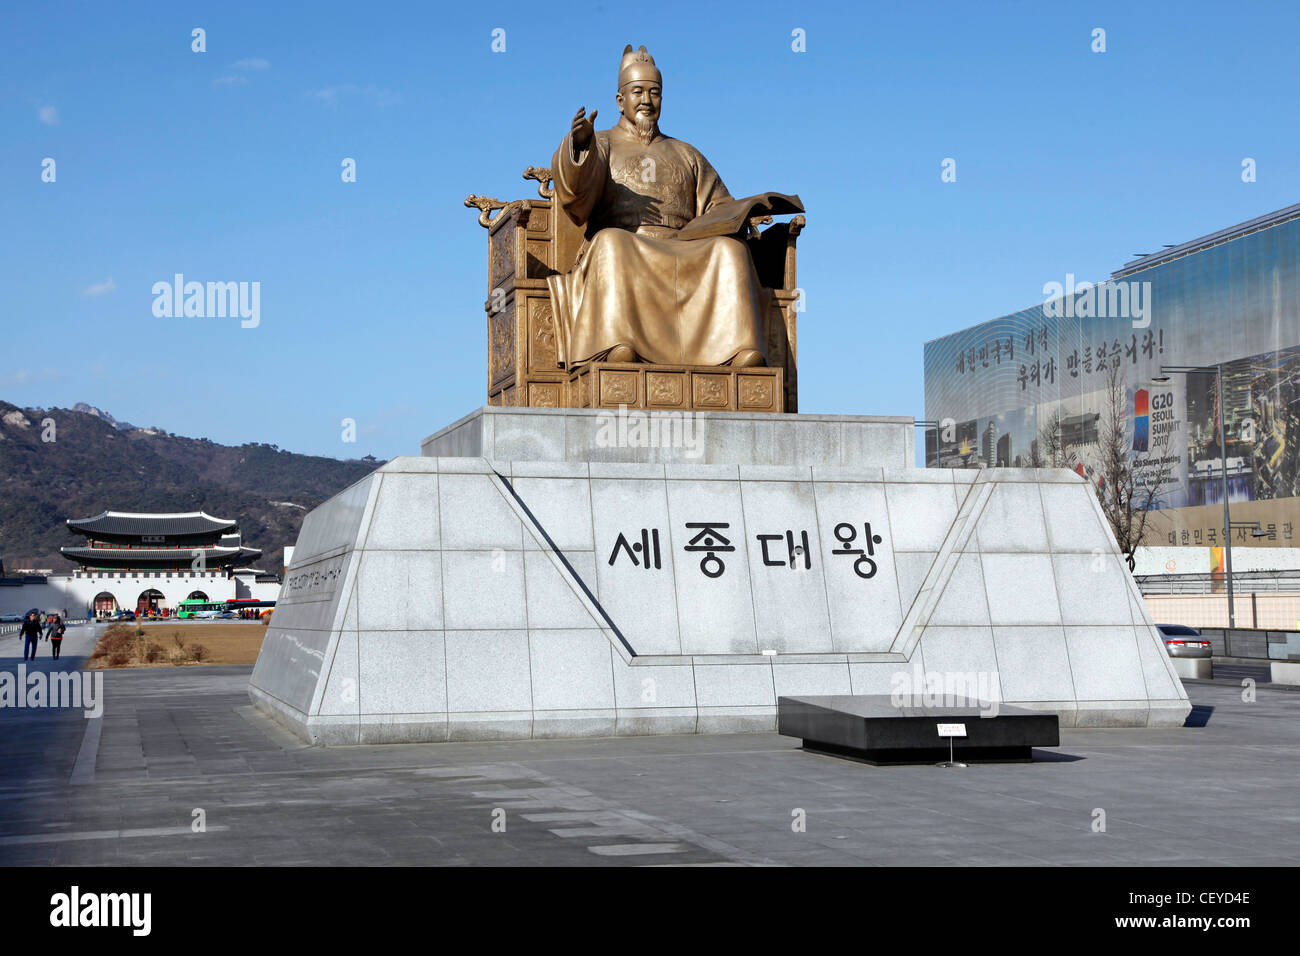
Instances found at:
x=637 y=65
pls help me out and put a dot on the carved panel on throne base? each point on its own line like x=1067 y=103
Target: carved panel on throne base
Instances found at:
x=676 y=387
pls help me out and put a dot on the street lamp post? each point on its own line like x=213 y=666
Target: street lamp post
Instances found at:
x=1227 y=518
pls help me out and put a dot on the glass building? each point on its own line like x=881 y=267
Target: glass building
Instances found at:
x=1034 y=388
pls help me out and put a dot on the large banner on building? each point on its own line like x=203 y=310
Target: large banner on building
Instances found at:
x=1032 y=389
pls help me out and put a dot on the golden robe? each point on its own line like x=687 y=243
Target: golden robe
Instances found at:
x=674 y=301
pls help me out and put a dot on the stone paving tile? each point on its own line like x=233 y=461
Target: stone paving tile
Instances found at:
x=172 y=741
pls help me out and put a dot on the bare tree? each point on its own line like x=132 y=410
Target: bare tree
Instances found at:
x=1126 y=493
x=1050 y=451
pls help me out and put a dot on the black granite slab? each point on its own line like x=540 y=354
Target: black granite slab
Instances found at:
x=875 y=730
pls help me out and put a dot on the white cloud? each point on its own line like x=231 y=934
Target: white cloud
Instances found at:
x=103 y=288
x=329 y=95
x=49 y=115
x=248 y=65
x=24 y=376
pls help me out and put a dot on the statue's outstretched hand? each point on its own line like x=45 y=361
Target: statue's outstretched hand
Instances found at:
x=583 y=131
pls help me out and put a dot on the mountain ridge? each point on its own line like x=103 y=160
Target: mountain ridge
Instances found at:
x=88 y=462
x=100 y=413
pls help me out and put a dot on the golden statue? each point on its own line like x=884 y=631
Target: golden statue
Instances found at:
x=635 y=279
x=663 y=275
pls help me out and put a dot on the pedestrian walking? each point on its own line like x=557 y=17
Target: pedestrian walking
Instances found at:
x=55 y=635
x=31 y=634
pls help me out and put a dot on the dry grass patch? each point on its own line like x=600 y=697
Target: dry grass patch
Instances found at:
x=178 y=643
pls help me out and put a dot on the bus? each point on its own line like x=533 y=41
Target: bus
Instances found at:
x=241 y=607
x=197 y=608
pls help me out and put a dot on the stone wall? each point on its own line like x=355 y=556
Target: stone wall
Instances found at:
x=77 y=592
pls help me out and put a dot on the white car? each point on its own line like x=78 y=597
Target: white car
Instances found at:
x=1183 y=641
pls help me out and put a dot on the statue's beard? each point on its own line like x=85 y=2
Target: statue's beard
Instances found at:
x=647 y=128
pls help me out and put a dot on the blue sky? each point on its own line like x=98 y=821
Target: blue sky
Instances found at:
x=225 y=165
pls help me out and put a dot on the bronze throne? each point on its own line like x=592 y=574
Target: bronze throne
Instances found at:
x=529 y=239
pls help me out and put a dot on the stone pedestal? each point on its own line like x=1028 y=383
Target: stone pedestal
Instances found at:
x=1285 y=672
x=510 y=584
x=700 y=438
x=1193 y=668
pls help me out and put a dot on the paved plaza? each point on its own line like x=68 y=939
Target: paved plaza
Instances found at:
x=124 y=790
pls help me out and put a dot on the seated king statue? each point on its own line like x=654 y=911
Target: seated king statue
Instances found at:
x=662 y=275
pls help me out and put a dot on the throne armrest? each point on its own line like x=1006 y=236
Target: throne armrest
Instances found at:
x=774 y=251
x=544 y=177
x=486 y=205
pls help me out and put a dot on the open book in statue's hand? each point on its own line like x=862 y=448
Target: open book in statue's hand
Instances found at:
x=729 y=218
